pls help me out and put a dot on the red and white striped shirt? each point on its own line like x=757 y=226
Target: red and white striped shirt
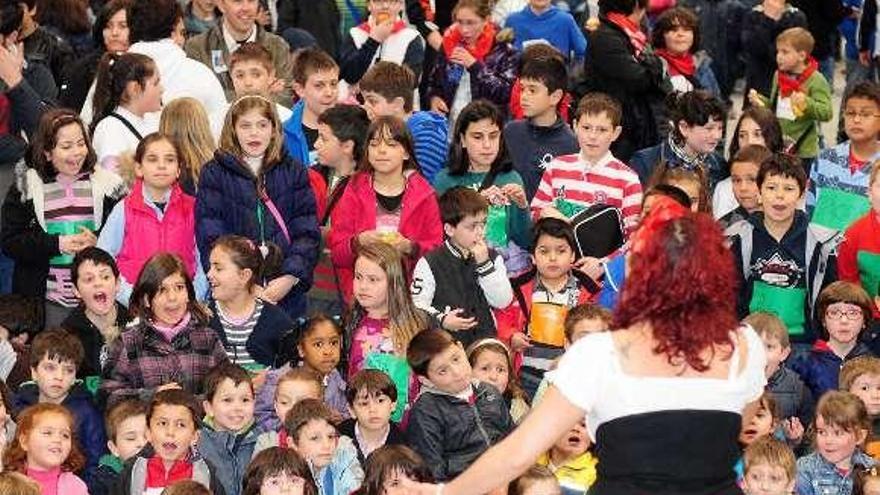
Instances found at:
x=608 y=181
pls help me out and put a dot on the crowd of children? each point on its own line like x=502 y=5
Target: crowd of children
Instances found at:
x=340 y=246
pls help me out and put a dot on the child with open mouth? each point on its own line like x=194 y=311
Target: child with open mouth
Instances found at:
x=172 y=431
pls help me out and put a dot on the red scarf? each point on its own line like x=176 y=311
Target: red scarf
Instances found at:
x=5 y=114
x=516 y=111
x=452 y=38
x=157 y=477
x=788 y=84
x=398 y=25
x=637 y=38
x=283 y=439
x=679 y=65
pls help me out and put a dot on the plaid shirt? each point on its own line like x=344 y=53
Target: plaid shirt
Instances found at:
x=141 y=360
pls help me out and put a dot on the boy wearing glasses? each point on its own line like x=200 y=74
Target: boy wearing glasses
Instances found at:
x=571 y=183
x=843 y=309
x=384 y=36
x=839 y=179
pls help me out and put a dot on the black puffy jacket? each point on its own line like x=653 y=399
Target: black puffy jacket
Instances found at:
x=450 y=433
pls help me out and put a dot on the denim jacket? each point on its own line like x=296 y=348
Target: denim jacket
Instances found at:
x=816 y=476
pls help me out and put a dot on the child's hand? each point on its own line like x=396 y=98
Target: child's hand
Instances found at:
x=11 y=64
x=755 y=98
x=380 y=30
x=463 y=57
x=798 y=103
x=591 y=267
x=516 y=193
x=455 y=322
x=519 y=341
x=494 y=195
x=87 y=237
x=438 y=105
x=793 y=429
x=278 y=288
x=480 y=251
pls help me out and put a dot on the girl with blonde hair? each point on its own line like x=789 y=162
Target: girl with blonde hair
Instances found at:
x=186 y=122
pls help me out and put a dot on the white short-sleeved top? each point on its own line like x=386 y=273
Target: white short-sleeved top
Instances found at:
x=589 y=375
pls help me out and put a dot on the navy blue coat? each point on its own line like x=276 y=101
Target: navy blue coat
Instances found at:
x=820 y=368
x=227 y=203
x=264 y=342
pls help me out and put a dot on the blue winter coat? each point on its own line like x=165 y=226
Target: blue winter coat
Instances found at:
x=227 y=203
x=294 y=136
x=229 y=453
x=820 y=368
x=89 y=423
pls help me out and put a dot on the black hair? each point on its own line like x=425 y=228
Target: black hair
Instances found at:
x=625 y=7
x=695 y=108
x=153 y=20
x=783 y=165
x=475 y=111
x=549 y=71
x=556 y=228
x=114 y=73
x=672 y=192
x=107 y=12
x=11 y=16
x=348 y=123
x=867 y=90
x=97 y=256
x=424 y=347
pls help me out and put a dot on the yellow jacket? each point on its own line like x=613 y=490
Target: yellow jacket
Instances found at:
x=575 y=475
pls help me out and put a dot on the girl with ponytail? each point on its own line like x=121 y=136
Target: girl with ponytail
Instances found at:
x=126 y=90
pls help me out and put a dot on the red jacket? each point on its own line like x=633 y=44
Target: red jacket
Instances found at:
x=146 y=235
x=356 y=213
x=861 y=238
x=514 y=318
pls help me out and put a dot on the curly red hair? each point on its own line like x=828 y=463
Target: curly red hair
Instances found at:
x=15 y=457
x=682 y=282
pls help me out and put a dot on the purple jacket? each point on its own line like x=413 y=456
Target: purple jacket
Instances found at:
x=491 y=79
x=141 y=360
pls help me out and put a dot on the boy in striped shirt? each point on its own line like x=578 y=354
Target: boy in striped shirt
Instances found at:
x=571 y=183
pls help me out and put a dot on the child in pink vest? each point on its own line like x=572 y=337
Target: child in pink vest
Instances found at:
x=157 y=216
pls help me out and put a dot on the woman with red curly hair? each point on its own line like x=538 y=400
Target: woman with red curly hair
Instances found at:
x=664 y=392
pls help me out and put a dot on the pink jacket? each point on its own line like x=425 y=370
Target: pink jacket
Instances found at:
x=67 y=482
x=356 y=213
x=145 y=235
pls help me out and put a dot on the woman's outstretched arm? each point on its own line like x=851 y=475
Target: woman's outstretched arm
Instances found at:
x=551 y=419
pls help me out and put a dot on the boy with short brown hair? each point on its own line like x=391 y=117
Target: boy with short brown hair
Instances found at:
x=387 y=89
x=316 y=83
x=800 y=96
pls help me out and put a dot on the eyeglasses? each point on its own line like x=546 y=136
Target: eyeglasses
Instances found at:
x=850 y=314
x=850 y=114
x=600 y=130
